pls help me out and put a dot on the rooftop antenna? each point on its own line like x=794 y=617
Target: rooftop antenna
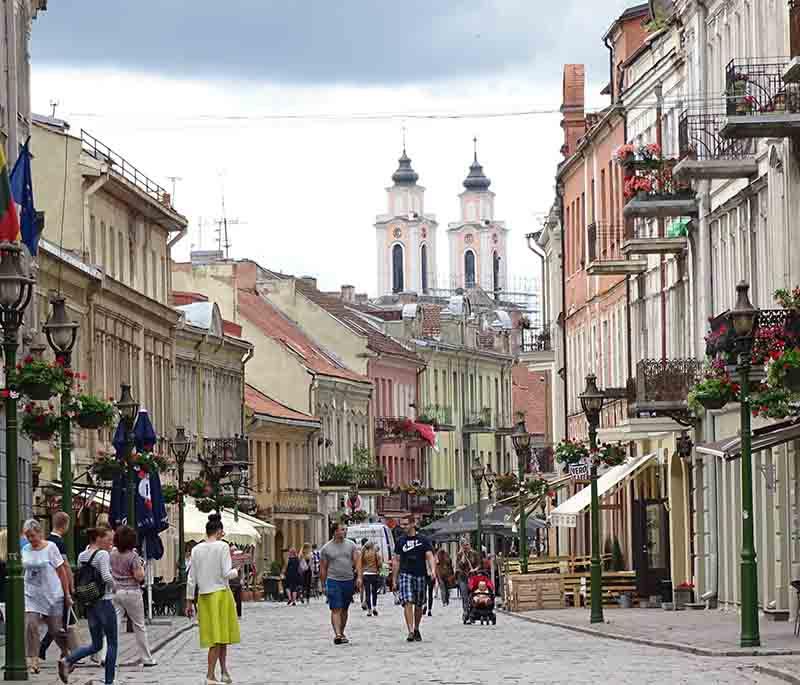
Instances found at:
x=223 y=239
x=53 y=105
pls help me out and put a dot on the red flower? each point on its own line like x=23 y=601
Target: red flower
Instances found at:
x=5 y=392
x=28 y=359
x=60 y=361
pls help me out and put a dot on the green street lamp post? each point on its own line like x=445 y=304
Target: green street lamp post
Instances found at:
x=235 y=480
x=129 y=410
x=744 y=319
x=481 y=475
x=16 y=288
x=180 y=448
x=61 y=335
x=521 y=440
x=592 y=402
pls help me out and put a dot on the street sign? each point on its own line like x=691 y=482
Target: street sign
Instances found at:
x=579 y=471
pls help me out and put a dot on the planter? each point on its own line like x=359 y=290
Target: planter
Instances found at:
x=90 y=420
x=792 y=380
x=682 y=598
x=37 y=391
x=710 y=403
x=258 y=595
x=272 y=588
x=41 y=434
x=247 y=595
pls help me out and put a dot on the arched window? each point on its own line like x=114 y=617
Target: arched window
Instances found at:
x=397 y=269
x=495 y=272
x=469 y=269
x=423 y=265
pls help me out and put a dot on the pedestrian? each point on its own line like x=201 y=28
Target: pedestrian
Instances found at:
x=235 y=583
x=292 y=577
x=412 y=565
x=371 y=563
x=315 y=567
x=94 y=566
x=444 y=570
x=127 y=567
x=339 y=562
x=362 y=595
x=57 y=535
x=211 y=569
x=47 y=592
x=305 y=571
x=466 y=562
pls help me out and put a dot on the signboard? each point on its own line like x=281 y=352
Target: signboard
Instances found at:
x=579 y=471
x=443 y=499
x=241 y=559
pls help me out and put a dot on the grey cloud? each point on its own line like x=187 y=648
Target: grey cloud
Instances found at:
x=361 y=42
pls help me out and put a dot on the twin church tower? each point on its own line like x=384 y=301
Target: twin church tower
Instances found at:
x=407 y=238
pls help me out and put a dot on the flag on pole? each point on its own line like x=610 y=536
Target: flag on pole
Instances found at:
x=9 y=222
x=21 y=182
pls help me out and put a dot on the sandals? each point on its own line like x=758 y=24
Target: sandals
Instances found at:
x=341 y=640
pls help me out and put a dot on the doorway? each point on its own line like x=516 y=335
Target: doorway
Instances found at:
x=650 y=545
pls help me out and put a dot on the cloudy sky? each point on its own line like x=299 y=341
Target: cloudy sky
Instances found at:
x=295 y=109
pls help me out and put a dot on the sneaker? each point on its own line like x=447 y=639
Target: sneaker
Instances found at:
x=374 y=612
x=429 y=613
x=411 y=637
x=63 y=671
x=417 y=636
x=226 y=678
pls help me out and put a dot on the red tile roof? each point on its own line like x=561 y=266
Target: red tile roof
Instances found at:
x=259 y=403
x=273 y=323
x=230 y=328
x=431 y=320
x=180 y=298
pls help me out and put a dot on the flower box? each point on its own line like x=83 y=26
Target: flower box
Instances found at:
x=91 y=420
x=711 y=403
x=37 y=391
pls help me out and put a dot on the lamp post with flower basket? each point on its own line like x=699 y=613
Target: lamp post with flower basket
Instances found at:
x=180 y=447
x=521 y=440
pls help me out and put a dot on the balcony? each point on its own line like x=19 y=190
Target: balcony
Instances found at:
x=395 y=430
x=760 y=103
x=397 y=502
x=602 y=240
x=772 y=325
x=536 y=346
x=480 y=422
x=654 y=192
x=295 y=502
x=643 y=241
x=438 y=416
x=342 y=477
x=662 y=386
x=706 y=154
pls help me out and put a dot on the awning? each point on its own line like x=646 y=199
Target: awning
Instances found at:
x=498 y=519
x=194 y=522
x=763 y=439
x=261 y=526
x=565 y=515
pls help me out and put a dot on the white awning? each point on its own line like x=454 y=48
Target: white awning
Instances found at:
x=262 y=526
x=565 y=515
x=194 y=521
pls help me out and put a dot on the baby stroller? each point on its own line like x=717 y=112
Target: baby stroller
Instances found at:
x=481 y=599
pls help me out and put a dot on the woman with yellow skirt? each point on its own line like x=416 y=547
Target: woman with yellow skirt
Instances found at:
x=210 y=570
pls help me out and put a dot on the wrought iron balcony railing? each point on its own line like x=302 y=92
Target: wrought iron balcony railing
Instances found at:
x=772 y=325
x=295 y=502
x=393 y=429
x=755 y=86
x=436 y=415
x=536 y=340
x=479 y=420
x=344 y=476
x=699 y=138
x=661 y=388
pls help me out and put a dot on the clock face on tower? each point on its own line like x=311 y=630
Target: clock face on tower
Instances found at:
x=424 y=232
x=398 y=233
x=469 y=238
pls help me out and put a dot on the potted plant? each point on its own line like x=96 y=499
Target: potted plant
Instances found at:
x=624 y=155
x=39 y=423
x=683 y=595
x=92 y=412
x=713 y=391
x=106 y=466
x=571 y=452
x=149 y=461
x=506 y=484
x=610 y=454
x=784 y=370
x=40 y=380
x=771 y=403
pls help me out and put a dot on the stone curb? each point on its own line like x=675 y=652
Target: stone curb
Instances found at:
x=675 y=646
x=778 y=673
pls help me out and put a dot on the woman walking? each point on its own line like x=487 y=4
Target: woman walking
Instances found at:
x=211 y=569
x=306 y=564
x=101 y=615
x=444 y=569
x=46 y=592
x=293 y=579
x=127 y=567
x=371 y=564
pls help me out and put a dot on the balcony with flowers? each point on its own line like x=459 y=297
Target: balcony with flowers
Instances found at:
x=651 y=190
x=762 y=100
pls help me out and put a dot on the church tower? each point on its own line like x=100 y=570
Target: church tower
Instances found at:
x=478 y=243
x=406 y=236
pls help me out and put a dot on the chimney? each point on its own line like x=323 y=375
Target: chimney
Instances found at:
x=310 y=281
x=348 y=293
x=407 y=298
x=573 y=119
x=362 y=298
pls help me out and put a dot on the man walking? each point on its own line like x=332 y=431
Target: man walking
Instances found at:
x=414 y=563
x=57 y=535
x=339 y=561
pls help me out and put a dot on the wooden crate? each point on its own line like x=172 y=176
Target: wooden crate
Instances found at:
x=535 y=591
x=614 y=584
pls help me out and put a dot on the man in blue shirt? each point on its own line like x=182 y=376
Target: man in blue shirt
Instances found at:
x=412 y=566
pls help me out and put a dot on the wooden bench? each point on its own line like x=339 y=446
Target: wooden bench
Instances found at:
x=615 y=583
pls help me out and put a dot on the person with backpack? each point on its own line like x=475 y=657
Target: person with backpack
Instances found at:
x=46 y=592
x=94 y=588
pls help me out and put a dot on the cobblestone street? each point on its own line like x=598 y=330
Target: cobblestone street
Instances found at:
x=292 y=644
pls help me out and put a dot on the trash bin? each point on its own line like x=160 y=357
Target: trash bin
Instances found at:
x=666 y=591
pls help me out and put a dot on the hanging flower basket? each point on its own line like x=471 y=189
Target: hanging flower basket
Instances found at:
x=612 y=454
x=39 y=423
x=92 y=412
x=169 y=493
x=713 y=391
x=783 y=370
x=37 y=391
x=106 y=467
x=710 y=403
x=40 y=380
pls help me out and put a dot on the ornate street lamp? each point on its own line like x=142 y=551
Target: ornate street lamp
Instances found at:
x=592 y=403
x=129 y=410
x=61 y=335
x=235 y=479
x=180 y=448
x=683 y=446
x=745 y=320
x=16 y=287
x=521 y=440
x=477 y=477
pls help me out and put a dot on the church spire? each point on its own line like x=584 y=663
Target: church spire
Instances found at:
x=476 y=180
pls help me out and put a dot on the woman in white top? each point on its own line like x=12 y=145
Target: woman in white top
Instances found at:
x=210 y=570
x=46 y=592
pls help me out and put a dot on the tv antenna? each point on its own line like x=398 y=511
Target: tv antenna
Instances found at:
x=53 y=105
x=223 y=237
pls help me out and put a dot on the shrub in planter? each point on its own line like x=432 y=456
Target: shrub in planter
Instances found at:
x=39 y=423
x=571 y=452
x=40 y=379
x=150 y=462
x=336 y=474
x=92 y=412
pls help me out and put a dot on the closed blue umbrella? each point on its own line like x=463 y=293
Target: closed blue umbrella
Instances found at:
x=151 y=512
x=118 y=507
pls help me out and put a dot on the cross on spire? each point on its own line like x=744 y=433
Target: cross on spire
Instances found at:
x=475 y=147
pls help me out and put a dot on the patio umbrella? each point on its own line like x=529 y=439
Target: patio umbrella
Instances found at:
x=151 y=512
x=118 y=507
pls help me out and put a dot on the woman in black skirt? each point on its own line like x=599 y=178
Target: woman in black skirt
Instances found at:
x=292 y=577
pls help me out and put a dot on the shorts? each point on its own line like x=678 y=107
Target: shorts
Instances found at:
x=339 y=592
x=413 y=589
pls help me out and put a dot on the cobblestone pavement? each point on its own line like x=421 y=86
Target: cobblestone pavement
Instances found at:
x=282 y=645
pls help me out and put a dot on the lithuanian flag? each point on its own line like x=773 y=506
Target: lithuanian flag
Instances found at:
x=9 y=221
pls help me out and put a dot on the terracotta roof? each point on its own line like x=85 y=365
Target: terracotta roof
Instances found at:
x=180 y=298
x=231 y=328
x=273 y=323
x=431 y=320
x=261 y=404
x=377 y=341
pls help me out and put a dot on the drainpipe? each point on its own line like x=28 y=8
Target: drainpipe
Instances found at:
x=560 y=195
x=533 y=247
x=610 y=69
x=247 y=357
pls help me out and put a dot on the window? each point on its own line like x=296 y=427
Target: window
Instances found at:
x=495 y=272
x=121 y=256
x=397 y=269
x=155 y=276
x=469 y=269
x=145 y=265
x=102 y=261
x=423 y=265
x=112 y=258
x=92 y=240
